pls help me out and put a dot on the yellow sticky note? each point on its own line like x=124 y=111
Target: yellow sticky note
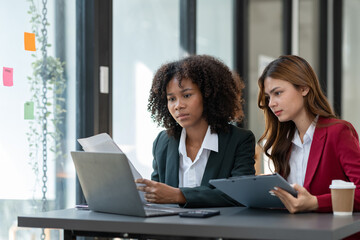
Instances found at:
x=29 y=41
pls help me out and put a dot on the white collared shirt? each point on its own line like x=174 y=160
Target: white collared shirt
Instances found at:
x=191 y=173
x=300 y=155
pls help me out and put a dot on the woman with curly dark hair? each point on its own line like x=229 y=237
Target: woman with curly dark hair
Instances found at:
x=196 y=99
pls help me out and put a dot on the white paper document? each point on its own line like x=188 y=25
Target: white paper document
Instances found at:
x=104 y=143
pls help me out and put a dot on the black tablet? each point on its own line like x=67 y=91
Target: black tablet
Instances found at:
x=253 y=191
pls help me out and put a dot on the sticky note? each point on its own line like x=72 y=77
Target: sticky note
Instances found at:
x=29 y=110
x=8 y=76
x=29 y=41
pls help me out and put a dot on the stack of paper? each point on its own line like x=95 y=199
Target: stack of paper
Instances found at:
x=104 y=143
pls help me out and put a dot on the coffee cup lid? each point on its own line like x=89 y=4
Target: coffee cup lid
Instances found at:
x=340 y=184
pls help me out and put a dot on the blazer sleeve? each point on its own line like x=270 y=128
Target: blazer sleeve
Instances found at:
x=346 y=142
x=155 y=174
x=238 y=160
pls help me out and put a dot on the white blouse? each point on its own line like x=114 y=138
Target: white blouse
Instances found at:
x=191 y=173
x=300 y=155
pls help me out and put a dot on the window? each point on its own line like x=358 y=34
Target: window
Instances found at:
x=215 y=29
x=145 y=35
x=265 y=44
x=309 y=32
x=350 y=69
x=20 y=184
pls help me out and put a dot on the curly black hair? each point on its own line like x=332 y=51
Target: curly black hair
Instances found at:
x=221 y=90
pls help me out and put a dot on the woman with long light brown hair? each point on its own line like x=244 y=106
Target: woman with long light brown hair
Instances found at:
x=307 y=143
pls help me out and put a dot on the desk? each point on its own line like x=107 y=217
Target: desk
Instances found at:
x=232 y=223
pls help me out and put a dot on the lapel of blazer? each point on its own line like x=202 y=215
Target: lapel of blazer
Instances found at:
x=172 y=163
x=215 y=160
x=316 y=150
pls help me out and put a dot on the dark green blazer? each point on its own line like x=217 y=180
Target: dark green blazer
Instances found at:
x=235 y=158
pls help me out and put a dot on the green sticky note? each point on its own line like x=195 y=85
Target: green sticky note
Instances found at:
x=29 y=111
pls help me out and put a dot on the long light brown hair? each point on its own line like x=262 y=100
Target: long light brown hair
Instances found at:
x=279 y=135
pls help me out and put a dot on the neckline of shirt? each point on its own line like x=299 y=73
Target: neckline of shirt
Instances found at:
x=210 y=142
x=309 y=134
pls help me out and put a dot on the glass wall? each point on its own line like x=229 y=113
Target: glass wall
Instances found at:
x=214 y=28
x=351 y=58
x=21 y=152
x=309 y=32
x=265 y=44
x=145 y=35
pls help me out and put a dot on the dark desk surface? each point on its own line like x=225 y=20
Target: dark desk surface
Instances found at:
x=234 y=223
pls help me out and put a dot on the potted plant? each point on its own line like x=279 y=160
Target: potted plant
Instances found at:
x=47 y=88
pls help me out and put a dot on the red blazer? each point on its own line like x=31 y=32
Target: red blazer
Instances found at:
x=334 y=154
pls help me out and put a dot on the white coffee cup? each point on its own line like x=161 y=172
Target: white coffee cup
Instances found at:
x=342 y=197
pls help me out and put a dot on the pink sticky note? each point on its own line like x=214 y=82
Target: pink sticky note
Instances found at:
x=8 y=76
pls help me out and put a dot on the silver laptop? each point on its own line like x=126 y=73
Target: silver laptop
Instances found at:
x=109 y=186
